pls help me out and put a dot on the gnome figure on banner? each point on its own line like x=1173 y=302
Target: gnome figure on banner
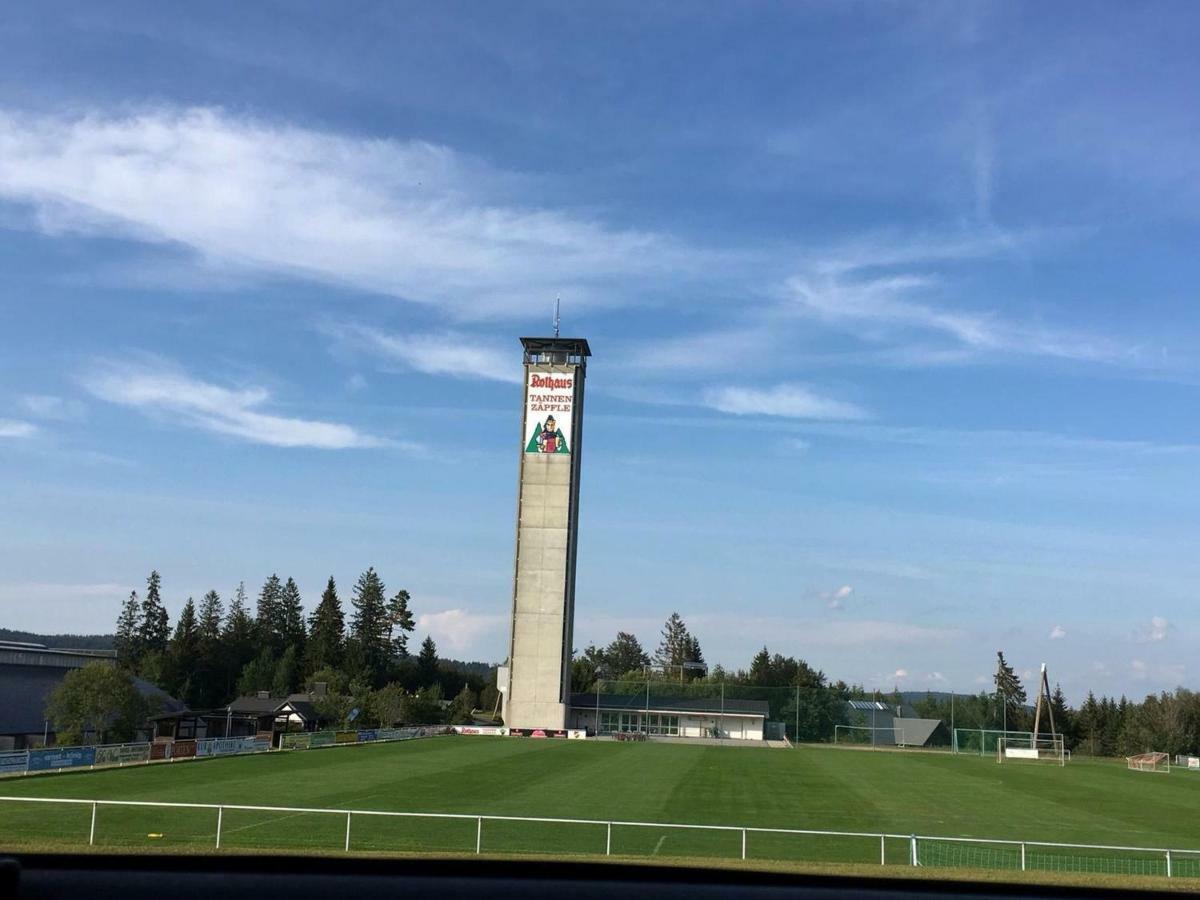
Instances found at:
x=550 y=439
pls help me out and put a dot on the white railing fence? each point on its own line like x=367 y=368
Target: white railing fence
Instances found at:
x=237 y=826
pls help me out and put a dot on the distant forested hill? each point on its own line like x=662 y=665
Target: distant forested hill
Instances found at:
x=73 y=641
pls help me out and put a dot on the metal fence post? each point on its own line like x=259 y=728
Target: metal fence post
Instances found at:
x=608 y=841
x=913 y=838
x=220 y=816
x=743 y=843
x=882 y=851
x=92 y=833
x=1022 y=856
x=347 y=832
x=479 y=835
x=1168 y=863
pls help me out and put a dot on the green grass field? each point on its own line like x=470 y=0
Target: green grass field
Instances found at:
x=1095 y=802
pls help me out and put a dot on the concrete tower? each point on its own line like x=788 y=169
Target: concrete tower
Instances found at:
x=543 y=611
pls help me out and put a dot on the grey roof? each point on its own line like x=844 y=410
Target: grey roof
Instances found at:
x=256 y=706
x=705 y=705
x=24 y=690
x=869 y=705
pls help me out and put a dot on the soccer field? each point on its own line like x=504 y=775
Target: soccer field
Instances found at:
x=1094 y=802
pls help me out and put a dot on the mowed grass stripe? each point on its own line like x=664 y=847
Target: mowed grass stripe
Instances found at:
x=808 y=788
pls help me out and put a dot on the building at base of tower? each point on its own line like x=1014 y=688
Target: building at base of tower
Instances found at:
x=536 y=687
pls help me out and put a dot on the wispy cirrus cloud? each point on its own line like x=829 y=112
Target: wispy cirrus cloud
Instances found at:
x=49 y=406
x=14 y=428
x=173 y=396
x=405 y=218
x=883 y=309
x=1057 y=633
x=795 y=401
x=443 y=353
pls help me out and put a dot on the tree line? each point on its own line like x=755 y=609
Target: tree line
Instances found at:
x=357 y=667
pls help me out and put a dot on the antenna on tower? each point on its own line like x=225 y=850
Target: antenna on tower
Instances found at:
x=557 y=300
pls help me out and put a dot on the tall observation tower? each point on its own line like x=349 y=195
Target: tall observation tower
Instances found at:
x=543 y=610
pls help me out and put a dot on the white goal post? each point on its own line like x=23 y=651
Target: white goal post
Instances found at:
x=1149 y=762
x=1044 y=748
x=868 y=735
x=1183 y=761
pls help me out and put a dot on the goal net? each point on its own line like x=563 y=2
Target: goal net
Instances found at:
x=1191 y=763
x=1043 y=748
x=1149 y=762
x=983 y=741
x=868 y=736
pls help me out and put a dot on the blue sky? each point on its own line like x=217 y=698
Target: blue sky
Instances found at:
x=893 y=310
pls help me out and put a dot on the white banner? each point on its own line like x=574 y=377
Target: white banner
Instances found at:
x=549 y=404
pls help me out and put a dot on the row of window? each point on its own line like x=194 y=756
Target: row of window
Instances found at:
x=651 y=723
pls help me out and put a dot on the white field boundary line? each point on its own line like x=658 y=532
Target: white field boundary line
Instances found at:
x=614 y=822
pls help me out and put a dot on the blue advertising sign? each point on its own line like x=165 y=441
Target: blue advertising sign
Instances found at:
x=13 y=763
x=61 y=758
x=367 y=735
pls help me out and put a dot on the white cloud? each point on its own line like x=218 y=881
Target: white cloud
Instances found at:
x=900 y=674
x=46 y=406
x=12 y=428
x=1158 y=629
x=1057 y=633
x=447 y=353
x=458 y=631
x=791 y=400
x=838 y=597
x=199 y=404
x=881 y=308
x=404 y=218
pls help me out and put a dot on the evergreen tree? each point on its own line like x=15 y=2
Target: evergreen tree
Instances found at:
x=427 y=662
x=237 y=641
x=125 y=642
x=462 y=706
x=623 y=656
x=1088 y=724
x=673 y=647
x=370 y=626
x=1064 y=719
x=270 y=620
x=400 y=618
x=1011 y=692
x=154 y=629
x=182 y=656
x=288 y=675
x=258 y=674
x=327 y=631
x=209 y=668
x=292 y=617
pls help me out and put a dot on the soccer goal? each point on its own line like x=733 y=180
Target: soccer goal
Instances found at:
x=1042 y=748
x=1191 y=763
x=983 y=741
x=868 y=736
x=1149 y=762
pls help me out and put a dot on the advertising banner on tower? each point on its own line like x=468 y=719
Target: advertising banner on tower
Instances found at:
x=549 y=402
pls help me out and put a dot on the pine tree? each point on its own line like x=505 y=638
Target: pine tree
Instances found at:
x=760 y=669
x=673 y=647
x=154 y=630
x=288 y=675
x=128 y=627
x=269 y=619
x=293 y=618
x=1011 y=692
x=209 y=677
x=237 y=640
x=258 y=674
x=182 y=655
x=400 y=618
x=623 y=656
x=427 y=662
x=369 y=626
x=1064 y=719
x=327 y=631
